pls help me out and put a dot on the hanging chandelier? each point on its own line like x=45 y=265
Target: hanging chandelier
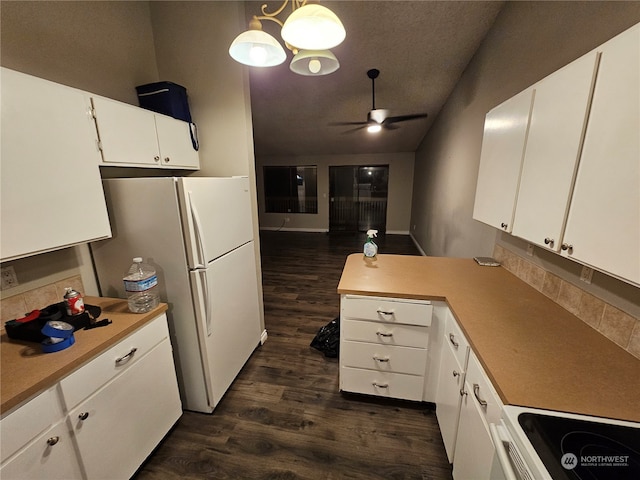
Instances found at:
x=310 y=31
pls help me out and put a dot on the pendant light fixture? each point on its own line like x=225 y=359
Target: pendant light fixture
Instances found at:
x=314 y=62
x=309 y=32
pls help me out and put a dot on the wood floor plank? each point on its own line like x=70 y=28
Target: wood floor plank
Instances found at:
x=284 y=417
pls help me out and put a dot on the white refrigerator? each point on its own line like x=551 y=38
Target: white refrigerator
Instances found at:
x=198 y=234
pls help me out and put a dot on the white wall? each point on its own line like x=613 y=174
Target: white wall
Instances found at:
x=399 y=195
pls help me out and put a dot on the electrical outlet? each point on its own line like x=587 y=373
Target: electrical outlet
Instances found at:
x=586 y=275
x=9 y=278
x=530 y=250
x=287 y=219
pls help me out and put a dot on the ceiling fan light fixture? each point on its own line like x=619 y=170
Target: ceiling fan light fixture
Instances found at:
x=314 y=63
x=374 y=128
x=257 y=48
x=313 y=27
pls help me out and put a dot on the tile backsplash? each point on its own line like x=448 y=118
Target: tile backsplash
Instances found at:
x=17 y=305
x=613 y=323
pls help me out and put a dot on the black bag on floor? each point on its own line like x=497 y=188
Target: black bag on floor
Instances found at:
x=327 y=340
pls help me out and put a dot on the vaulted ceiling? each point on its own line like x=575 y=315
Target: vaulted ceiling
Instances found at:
x=421 y=49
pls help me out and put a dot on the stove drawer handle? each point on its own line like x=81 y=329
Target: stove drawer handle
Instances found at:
x=500 y=440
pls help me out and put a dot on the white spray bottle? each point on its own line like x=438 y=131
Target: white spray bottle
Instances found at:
x=370 y=248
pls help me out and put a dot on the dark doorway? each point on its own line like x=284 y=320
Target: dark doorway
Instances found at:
x=358 y=198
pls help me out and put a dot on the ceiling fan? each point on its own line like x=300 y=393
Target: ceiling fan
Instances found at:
x=378 y=118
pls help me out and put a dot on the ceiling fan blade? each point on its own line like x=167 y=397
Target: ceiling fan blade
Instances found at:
x=351 y=130
x=404 y=118
x=339 y=124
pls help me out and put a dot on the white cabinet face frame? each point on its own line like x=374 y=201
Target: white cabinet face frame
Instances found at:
x=503 y=145
x=556 y=130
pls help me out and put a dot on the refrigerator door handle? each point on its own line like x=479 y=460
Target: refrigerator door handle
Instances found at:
x=198 y=233
x=205 y=293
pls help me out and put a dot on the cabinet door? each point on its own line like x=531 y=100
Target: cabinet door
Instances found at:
x=127 y=133
x=176 y=149
x=604 y=219
x=50 y=456
x=448 y=398
x=474 y=447
x=51 y=191
x=503 y=147
x=556 y=129
x=119 y=426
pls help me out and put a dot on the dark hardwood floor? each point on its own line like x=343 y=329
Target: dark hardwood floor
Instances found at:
x=283 y=417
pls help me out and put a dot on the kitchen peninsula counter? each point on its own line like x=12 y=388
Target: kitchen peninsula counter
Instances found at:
x=535 y=352
x=25 y=370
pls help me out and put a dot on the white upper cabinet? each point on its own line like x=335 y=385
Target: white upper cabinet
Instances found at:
x=556 y=130
x=603 y=227
x=503 y=146
x=133 y=136
x=51 y=191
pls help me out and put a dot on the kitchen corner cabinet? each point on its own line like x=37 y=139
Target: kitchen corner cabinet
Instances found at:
x=603 y=227
x=384 y=346
x=503 y=147
x=127 y=396
x=136 y=137
x=51 y=191
x=556 y=129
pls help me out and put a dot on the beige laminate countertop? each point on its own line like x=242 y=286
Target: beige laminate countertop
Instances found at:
x=25 y=370
x=536 y=353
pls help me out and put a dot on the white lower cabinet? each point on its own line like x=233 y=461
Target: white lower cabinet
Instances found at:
x=103 y=419
x=453 y=364
x=123 y=421
x=480 y=406
x=384 y=346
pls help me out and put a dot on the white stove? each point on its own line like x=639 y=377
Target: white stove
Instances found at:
x=534 y=444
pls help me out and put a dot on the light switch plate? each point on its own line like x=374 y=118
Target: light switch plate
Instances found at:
x=586 y=275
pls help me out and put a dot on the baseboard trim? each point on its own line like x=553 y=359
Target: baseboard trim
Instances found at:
x=263 y=337
x=309 y=230
x=415 y=242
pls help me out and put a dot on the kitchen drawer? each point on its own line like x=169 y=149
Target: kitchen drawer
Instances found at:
x=387 y=334
x=478 y=385
x=381 y=309
x=82 y=383
x=456 y=340
x=385 y=358
x=28 y=421
x=382 y=384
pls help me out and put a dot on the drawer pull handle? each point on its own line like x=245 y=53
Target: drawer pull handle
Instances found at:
x=456 y=374
x=385 y=312
x=127 y=357
x=452 y=339
x=381 y=359
x=380 y=385
x=83 y=415
x=53 y=440
x=476 y=393
x=384 y=334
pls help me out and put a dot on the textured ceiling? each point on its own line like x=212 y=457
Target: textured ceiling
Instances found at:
x=420 y=47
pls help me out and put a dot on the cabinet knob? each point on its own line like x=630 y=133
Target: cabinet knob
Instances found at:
x=53 y=440
x=157 y=158
x=503 y=225
x=549 y=241
x=456 y=374
x=567 y=247
x=167 y=159
x=83 y=415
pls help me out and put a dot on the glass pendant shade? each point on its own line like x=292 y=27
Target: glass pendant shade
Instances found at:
x=314 y=62
x=257 y=49
x=313 y=27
